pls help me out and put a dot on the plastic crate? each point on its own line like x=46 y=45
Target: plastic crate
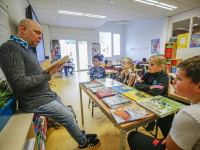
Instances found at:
x=169 y=50
x=169 y=70
x=168 y=55
x=174 y=62
x=168 y=65
x=172 y=66
x=58 y=56
x=173 y=70
x=169 y=46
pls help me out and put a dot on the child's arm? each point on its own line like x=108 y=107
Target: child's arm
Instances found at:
x=104 y=73
x=141 y=85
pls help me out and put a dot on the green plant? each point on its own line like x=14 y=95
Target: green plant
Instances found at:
x=5 y=92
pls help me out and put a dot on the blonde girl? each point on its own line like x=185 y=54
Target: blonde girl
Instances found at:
x=128 y=76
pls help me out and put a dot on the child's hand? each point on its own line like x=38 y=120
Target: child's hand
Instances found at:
x=140 y=81
x=164 y=143
x=151 y=87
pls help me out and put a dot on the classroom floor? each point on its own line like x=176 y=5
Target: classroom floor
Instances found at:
x=59 y=139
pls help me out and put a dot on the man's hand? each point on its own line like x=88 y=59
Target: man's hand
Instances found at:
x=56 y=69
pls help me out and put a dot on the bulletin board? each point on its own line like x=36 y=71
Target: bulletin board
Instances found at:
x=155 y=46
x=182 y=41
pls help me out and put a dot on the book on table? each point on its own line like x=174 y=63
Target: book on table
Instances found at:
x=90 y=84
x=59 y=62
x=106 y=93
x=161 y=106
x=129 y=113
x=101 y=80
x=111 y=83
x=122 y=88
x=137 y=95
x=101 y=88
x=116 y=101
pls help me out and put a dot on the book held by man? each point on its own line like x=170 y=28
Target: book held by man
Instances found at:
x=129 y=113
x=161 y=106
x=59 y=62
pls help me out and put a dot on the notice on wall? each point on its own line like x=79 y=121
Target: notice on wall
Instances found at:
x=182 y=41
x=155 y=46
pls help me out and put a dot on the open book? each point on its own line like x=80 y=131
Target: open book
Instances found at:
x=60 y=61
x=161 y=106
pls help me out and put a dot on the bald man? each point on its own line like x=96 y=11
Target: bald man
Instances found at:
x=30 y=82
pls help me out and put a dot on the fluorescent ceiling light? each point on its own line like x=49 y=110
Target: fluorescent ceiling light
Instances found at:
x=168 y=5
x=70 y=13
x=144 y=2
x=164 y=7
x=195 y=24
x=181 y=28
x=152 y=1
x=96 y=16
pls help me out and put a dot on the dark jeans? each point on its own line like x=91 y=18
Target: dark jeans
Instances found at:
x=66 y=68
x=140 y=141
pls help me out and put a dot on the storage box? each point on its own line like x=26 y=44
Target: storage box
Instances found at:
x=58 y=56
x=172 y=66
x=168 y=55
x=173 y=70
x=168 y=65
x=174 y=62
x=169 y=50
x=7 y=111
x=169 y=46
x=169 y=70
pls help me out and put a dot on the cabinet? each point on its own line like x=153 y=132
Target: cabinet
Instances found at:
x=172 y=65
x=55 y=50
x=170 y=50
x=95 y=49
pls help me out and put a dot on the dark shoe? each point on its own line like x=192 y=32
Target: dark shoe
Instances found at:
x=150 y=127
x=71 y=73
x=90 y=144
x=91 y=136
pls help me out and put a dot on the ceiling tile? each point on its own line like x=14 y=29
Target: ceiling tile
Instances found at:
x=44 y=5
x=96 y=8
x=194 y=3
x=39 y=11
x=69 y=17
x=76 y=3
x=116 y=3
x=50 y=1
x=136 y=5
x=72 y=8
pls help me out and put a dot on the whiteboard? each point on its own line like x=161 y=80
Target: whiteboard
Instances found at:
x=5 y=30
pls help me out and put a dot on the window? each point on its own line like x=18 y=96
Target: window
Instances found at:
x=181 y=27
x=116 y=44
x=105 y=41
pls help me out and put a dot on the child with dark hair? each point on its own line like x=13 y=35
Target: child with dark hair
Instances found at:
x=97 y=72
x=185 y=130
x=111 y=67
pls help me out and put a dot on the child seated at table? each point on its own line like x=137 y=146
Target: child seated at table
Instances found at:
x=156 y=82
x=105 y=63
x=128 y=76
x=185 y=130
x=97 y=72
x=111 y=67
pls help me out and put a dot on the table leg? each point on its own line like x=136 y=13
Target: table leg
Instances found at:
x=109 y=75
x=122 y=139
x=145 y=69
x=81 y=101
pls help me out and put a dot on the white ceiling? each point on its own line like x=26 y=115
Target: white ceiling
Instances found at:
x=120 y=10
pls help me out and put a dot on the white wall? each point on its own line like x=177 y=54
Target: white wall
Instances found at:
x=186 y=52
x=92 y=36
x=16 y=10
x=139 y=36
x=45 y=30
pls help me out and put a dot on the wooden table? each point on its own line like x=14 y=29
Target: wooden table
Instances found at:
x=123 y=128
x=110 y=72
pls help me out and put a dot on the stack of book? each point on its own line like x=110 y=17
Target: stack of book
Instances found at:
x=122 y=88
x=95 y=89
x=91 y=84
x=161 y=106
x=106 y=93
x=137 y=95
x=129 y=113
x=116 y=101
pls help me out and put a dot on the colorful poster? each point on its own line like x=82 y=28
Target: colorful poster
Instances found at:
x=155 y=46
x=182 y=41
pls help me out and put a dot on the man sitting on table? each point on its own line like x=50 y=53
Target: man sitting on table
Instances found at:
x=30 y=82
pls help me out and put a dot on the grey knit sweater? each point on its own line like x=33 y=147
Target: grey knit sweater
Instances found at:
x=25 y=76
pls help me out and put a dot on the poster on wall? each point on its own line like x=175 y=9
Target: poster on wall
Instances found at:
x=182 y=41
x=155 y=46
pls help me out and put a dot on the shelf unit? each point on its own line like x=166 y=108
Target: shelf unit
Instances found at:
x=170 y=50
x=172 y=65
x=95 y=50
x=55 y=50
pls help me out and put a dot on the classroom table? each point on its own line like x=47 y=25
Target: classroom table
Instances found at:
x=118 y=67
x=110 y=72
x=145 y=67
x=123 y=128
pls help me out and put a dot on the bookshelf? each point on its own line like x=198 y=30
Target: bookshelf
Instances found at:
x=172 y=65
x=170 y=50
x=55 y=50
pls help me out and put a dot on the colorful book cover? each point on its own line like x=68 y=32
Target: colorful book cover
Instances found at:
x=90 y=84
x=122 y=88
x=130 y=113
x=161 y=106
x=116 y=101
x=137 y=95
x=100 y=80
x=111 y=83
x=95 y=89
x=109 y=92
